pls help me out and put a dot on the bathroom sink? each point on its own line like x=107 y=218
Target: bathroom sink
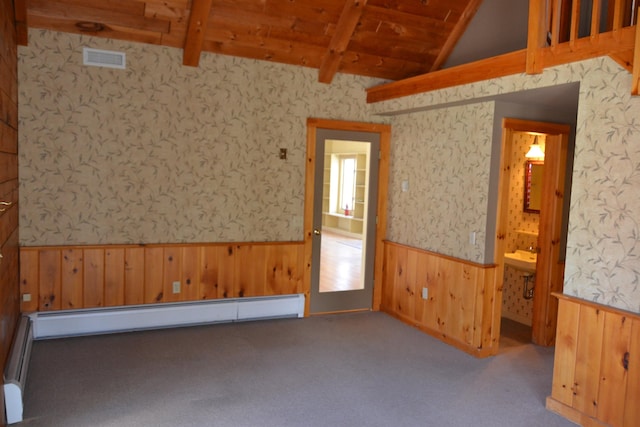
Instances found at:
x=522 y=260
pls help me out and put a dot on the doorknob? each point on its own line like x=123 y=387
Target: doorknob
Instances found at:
x=316 y=231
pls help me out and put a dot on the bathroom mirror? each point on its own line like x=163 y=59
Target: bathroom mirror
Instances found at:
x=533 y=185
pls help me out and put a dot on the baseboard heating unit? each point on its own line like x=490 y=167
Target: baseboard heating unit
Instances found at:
x=15 y=373
x=66 y=323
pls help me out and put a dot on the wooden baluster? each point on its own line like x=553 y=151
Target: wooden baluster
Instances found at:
x=595 y=19
x=575 y=23
x=556 y=19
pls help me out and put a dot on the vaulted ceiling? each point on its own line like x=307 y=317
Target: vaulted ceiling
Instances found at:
x=389 y=39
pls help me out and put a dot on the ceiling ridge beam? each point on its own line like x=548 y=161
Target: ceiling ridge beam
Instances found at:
x=193 y=42
x=347 y=23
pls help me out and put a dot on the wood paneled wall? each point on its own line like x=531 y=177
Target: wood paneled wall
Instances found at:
x=596 y=374
x=9 y=307
x=463 y=303
x=60 y=278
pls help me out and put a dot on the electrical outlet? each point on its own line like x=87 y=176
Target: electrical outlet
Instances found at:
x=26 y=297
x=176 y=287
x=425 y=293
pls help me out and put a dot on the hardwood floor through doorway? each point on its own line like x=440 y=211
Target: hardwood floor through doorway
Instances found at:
x=341 y=262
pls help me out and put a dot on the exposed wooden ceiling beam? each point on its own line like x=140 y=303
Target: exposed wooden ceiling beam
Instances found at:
x=198 y=19
x=84 y=13
x=22 y=33
x=347 y=23
x=498 y=66
x=456 y=33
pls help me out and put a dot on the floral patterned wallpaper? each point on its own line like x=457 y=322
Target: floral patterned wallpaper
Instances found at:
x=161 y=152
x=445 y=156
x=603 y=248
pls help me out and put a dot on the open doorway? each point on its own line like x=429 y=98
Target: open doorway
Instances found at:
x=530 y=243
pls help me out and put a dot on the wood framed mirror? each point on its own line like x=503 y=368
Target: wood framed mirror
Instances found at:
x=533 y=171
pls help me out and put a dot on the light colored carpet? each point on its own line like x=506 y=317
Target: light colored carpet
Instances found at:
x=364 y=369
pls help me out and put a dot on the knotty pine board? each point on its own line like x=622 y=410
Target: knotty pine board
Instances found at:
x=103 y=276
x=461 y=297
x=596 y=376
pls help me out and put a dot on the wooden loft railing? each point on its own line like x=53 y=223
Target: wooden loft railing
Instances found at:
x=560 y=32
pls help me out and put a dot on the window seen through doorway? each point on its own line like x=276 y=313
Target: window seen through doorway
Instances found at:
x=347 y=184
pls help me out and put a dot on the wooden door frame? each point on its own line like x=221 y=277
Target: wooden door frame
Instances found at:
x=384 y=131
x=549 y=273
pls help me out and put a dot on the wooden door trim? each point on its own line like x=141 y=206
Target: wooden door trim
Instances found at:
x=313 y=124
x=548 y=277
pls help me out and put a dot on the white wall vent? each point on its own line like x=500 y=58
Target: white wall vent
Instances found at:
x=104 y=58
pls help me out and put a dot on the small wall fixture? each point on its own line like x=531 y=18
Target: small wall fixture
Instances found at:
x=535 y=152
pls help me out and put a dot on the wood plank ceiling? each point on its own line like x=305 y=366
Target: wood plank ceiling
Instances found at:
x=389 y=39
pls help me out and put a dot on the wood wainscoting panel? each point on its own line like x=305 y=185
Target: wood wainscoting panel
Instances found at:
x=459 y=308
x=153 y=270
x=216 y=272
x=133 y=276
x=49 y=285
x=250 y=264
x=72 y=277
x=588 y=354
x=191 y=273
x=596 y=374
x=632 y=411
x=114 y=279
x=93 y=283
x=171 y=272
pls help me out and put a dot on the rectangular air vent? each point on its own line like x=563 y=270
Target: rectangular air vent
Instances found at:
x=104 y=58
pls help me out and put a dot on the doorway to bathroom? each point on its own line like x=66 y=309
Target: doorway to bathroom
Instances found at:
x=530 y=242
